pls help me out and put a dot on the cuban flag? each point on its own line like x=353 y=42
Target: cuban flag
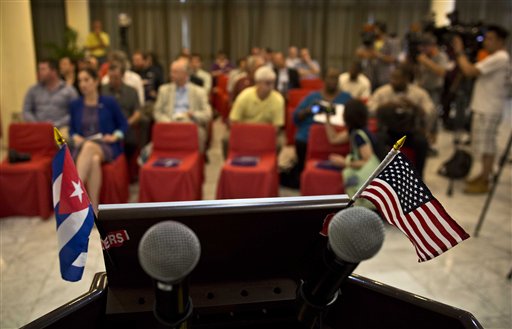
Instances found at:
x=74 y=215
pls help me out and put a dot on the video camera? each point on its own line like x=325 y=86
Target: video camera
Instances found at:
x=472 y=34
x=323 y=107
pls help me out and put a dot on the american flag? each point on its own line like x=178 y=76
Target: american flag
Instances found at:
x=405 y=202
x=74 y=216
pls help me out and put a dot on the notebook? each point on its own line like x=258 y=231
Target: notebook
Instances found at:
x=326 y=164
x=246 y=161
x=166 y=162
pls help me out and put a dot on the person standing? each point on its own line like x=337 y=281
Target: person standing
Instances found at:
x=97 y=42
x=487 y=101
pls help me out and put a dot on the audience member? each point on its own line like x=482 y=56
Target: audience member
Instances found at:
x=303 y=116
x=237 y=73
x=355 y=82
x=128 y=100
x=256 y=51
x=181 y=100
x=48 y=100
x=97 y=128
x=222 y=65
x=488 y=99
x=151 y=75
x=196 y=70
x=286 y=78
x=362 y=160
x=68 y=71
x=267 y=54
x=130 y=78
x=260 y=103
x=253 y=63
x=293 y=60
x=403 y=109
x=97 y=42
x=308 y=68
x=88 y=62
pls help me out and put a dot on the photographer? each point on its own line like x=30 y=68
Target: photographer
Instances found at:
x=488 y=99
x=303 y=115
x=378 y=54
x=432 y=65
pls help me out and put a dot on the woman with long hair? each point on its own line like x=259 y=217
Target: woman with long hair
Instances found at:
x=97 y=127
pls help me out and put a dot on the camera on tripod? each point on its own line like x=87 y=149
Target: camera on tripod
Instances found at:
x=323 y=107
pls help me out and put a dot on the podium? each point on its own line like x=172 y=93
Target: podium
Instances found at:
x=254 y=254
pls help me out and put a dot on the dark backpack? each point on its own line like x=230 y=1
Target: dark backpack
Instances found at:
x=457 y=166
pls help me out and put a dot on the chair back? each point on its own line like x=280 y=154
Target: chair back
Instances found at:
x=175 y=136
x=222 y=82
x=312 y=84
x=319 y=146
x=295 y=96
x=252 y=138
x=35 y=138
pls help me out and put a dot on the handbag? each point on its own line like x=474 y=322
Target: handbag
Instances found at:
x=354 y=178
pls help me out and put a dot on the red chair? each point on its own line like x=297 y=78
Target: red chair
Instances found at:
x=182 y=182
x=26 y=187
x=257 y=181
x=313 y=84
x=115 y=183
x=318 y=181
x=295 y=96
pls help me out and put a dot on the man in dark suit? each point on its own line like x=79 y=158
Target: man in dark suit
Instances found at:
x=286 y=78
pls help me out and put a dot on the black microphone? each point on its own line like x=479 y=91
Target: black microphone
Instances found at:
x=354 y=234
x=168 y=252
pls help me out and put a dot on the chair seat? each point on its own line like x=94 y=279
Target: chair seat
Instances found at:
x=259 y=181
x=181 y=183
x=26 y=188
x=115 y=181
x=318 y=181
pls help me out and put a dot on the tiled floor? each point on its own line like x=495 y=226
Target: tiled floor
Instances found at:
x=471 y=276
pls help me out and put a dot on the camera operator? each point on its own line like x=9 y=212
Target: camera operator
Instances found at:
x=488 y=99
x=432 y=65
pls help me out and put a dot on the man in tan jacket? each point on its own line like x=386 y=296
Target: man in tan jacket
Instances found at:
x=182 y=101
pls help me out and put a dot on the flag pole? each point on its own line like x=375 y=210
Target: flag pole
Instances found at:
x=61 y=141
x=389 y=157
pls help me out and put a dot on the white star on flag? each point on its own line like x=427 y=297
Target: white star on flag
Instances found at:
x=78 y=190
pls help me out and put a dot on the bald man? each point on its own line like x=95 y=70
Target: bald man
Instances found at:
x=182 y=101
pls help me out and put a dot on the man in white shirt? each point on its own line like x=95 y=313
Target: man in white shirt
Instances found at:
x=355 y=83
x=488 y=99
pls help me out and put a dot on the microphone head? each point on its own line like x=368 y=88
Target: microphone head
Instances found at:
x=355 y=234
x=169 y=251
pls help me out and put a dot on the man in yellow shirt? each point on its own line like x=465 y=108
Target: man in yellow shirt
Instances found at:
x=97 y=42
x=260 y=103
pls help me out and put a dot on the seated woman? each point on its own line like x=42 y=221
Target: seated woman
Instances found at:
x=97 y=127
x=362 y=160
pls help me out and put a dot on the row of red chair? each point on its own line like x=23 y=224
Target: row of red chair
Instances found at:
x=25 y=188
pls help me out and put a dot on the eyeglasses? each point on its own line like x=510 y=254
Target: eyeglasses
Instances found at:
x=268 y=83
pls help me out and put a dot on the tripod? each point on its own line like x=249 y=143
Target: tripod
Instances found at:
x=494 y=182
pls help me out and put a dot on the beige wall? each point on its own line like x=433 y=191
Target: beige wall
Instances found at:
x=77 y=17
x=17 y=59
